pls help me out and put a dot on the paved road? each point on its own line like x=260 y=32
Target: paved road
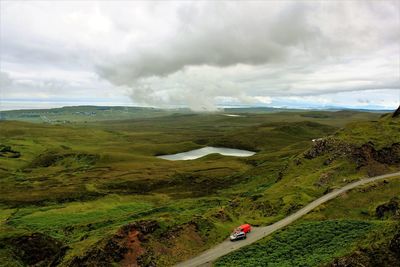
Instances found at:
x=207 y=257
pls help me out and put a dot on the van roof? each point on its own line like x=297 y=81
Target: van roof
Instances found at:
x=245 y=225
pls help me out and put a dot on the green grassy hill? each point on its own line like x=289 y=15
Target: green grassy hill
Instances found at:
x=360 y=228
x=85 y=193
x=357 y=229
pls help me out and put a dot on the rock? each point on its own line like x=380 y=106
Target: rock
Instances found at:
x=396 y=113
x=127 y=241
x=330 y=145
x=328 y=161
x=389 y=155
x=395 y=245
x=145 y=227
x=297 y=162
x=7 y=152
x=373 y=161
x=37 y=249
x=324 y=179
x=320 y=146
x=366 y=154
x=392 y=207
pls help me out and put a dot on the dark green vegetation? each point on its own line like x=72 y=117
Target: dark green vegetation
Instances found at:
x=378 y=203
x=305 y=244
x=95 y=192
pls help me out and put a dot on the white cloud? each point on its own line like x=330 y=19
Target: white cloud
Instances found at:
x=200 y=54
x=5 y=80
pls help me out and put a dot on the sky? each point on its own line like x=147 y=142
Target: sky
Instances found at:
x=201 y=55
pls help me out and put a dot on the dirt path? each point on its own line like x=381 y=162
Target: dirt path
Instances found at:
x=208 y=256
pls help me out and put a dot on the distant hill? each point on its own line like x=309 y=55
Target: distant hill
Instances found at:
x=73 y=114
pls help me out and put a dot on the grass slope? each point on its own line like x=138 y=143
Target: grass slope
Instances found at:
x=333 y=230
x=81 y=183
x=305 y=244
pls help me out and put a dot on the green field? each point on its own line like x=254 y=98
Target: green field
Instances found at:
x=81 y=184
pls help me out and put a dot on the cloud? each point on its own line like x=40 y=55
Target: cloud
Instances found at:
x=5 y=80
x=284 y=48
x=217 y=34
x=200 y=54
x=369 y=99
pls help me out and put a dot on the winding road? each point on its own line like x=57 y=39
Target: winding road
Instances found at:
x=257 y=233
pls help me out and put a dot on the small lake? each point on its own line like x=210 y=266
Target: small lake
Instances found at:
x=233 y=115
x=201 y=152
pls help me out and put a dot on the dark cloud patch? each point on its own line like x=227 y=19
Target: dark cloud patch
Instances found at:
x=219 y=34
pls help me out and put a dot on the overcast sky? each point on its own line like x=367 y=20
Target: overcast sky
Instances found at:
x=200 y=54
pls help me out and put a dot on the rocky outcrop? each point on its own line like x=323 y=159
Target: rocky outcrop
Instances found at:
x=125 y=247
x=382 y=255
x=324 y=179
x=367 y=153
x=364 y=155
x=396 y=113
x=37 y=249
x=390 y=208
x=328 y=145
x=394 y=245
x=178 y=242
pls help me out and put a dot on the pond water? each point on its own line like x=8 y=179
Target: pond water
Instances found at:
x=233 y=115
x=201 y=152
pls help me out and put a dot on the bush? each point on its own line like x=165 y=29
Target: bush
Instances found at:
x=305 y=244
